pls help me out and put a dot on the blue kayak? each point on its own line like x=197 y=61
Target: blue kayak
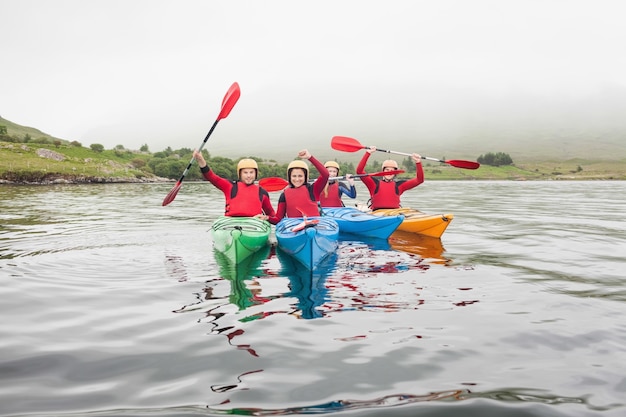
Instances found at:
x=354 y=221
x=308 y=240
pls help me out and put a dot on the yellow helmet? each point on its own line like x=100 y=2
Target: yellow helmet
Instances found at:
x=247 y=163
x=331 y=164
x=298 y=164
x=390 y=163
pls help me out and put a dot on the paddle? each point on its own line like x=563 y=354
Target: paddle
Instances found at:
x=273 y=183
x=345 y=144
x=305 y=222
x=231 y=97
x=375 y=174
x=276 y=184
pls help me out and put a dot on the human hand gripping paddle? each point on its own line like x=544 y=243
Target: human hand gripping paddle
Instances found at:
x=231 y=97
x=345 y=144
x=277 y=184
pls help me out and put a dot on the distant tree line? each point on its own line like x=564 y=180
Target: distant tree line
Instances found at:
x=495 y=159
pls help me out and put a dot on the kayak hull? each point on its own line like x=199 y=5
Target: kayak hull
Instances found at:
x=354 y=221
x=415 y=221
x=311 y=244
x=239 y=237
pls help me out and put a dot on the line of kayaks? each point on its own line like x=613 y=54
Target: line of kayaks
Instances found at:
x=311 y=240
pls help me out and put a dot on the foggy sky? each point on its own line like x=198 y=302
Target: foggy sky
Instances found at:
x=155 y=71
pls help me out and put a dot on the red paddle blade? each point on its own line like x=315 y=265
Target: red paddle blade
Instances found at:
x=345 y=144
x=463 y=164
x=172 y=194
x=273 y=184
x=231 y=97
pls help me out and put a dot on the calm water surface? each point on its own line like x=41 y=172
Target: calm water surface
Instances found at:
x=112 y=305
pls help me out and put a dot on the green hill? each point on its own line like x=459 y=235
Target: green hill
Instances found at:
x=15 y=131
x=28 y=155
x=48 y=163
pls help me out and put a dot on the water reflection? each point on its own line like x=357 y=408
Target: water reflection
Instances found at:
x=308 y=286
x=242 y=274
x=427 y=247
x=363 y=255
x=175 y=267
x=387 y=402
x=354 y=278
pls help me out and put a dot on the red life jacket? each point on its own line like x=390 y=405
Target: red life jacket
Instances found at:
x=244 y=200
x=334 y=196
x=300 y=198
x=386 y=195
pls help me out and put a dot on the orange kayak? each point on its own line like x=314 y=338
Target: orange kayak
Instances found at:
x=415 y=221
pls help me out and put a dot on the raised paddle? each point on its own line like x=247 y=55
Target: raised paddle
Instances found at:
x=375 y=174
x=346 y=144
x=276 y=183
x=231 y=97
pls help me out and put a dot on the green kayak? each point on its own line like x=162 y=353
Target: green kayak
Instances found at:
x=239 y=237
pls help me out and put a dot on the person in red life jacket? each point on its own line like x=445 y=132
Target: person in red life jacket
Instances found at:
x=331 y=195
x=244 y=198
x=385 y=193
x=300 y=198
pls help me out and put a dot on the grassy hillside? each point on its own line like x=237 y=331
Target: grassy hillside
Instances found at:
x=18 y=131
x=34 y=162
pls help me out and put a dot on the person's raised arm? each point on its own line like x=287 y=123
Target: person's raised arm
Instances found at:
x=360 y=169
x=349 y=189
x=209 y=175
x=419 y=175
x=322 y=179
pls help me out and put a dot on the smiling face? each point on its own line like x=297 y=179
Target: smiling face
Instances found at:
x=247 y=175
x=297 y=177
x=333 y=171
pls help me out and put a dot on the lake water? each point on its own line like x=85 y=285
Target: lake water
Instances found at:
x=112 y=305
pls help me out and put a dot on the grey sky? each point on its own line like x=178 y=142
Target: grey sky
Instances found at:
x=155 y=71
